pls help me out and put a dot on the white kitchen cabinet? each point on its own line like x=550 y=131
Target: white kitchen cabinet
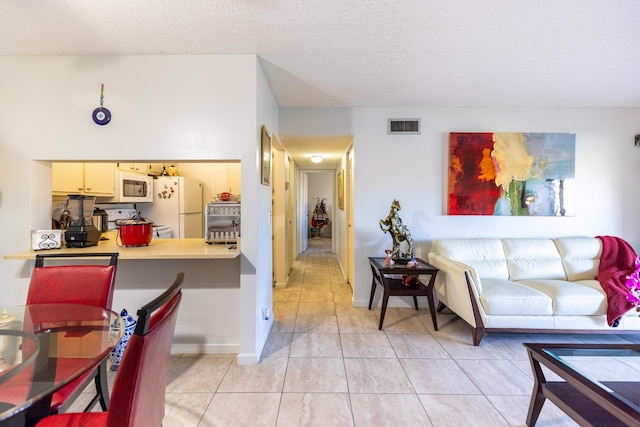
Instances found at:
x=134 y=167
x=67 y=178
x=99 y=178
x=154 y=168
x=96 y=179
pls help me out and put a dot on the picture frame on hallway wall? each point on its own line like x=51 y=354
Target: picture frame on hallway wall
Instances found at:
x=341 y=189
x=265 y=158
x=512 y=174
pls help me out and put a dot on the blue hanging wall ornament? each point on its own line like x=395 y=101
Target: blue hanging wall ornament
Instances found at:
x=101 y=115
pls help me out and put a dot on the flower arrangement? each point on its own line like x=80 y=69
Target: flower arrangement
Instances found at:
x=633 y=283
x=410 y=279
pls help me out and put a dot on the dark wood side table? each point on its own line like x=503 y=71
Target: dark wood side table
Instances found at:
x=394 y=287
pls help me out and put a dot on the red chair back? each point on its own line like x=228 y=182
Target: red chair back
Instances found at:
x=87 y=283
x=138 y=395
x=73 y=284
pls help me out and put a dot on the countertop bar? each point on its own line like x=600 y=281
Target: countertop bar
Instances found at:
x=195 y=248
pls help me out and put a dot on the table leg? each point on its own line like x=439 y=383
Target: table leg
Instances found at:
x=102 y=385
x=415 y=301
x=385 y=300
x=537 y=397
x=373 y=291
x=432 y=305
x=44 y=374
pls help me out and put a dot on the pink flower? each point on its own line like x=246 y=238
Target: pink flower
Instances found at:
x=633 y=283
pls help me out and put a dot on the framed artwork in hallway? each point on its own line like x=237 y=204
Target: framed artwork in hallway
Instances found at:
x=341 y=189
x=265 y=158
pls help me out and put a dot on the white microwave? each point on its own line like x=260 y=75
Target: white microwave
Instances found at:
x=130 y=188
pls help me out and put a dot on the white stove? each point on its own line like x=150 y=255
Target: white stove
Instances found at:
x=118 y=214
x=113 y=215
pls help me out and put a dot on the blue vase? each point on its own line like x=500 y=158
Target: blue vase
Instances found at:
x=116 y=354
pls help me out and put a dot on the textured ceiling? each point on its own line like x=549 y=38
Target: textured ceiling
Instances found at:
x=378 y=53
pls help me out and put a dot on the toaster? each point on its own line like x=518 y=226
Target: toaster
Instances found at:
x=46 y=239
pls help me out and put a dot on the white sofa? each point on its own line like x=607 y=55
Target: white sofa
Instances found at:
x=525 y=285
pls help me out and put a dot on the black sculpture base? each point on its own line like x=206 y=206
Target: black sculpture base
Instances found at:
x=402 y=260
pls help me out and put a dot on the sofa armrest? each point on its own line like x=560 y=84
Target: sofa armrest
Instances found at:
x=452 y=289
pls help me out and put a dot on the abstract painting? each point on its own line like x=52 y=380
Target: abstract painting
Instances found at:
x=511 y=174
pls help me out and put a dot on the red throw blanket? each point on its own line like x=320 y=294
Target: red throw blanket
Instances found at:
x=616 y=263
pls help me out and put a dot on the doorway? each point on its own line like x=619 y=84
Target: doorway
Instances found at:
x=320 y=204
x=305 y=183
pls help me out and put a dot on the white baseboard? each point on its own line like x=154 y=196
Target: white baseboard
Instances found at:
x=248 y=359
x=243 y=358
x=205 y=348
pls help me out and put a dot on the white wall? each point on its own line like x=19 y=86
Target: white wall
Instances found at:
x=164 y=108
x=413 y=169
x=256 y=277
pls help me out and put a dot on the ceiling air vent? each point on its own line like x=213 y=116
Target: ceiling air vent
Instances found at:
x=403 y=126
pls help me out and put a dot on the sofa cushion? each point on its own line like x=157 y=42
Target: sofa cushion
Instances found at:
x=486 y=256
x=533 y=259
x=572 y=298
x=503 y=297
x=580 y=256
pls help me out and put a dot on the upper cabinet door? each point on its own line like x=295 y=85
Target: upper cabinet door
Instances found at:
x=134 y=167
x=154 y=168
x=99 y=178
x=67 y=178
x=96 y=179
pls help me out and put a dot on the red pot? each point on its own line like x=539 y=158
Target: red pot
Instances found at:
x=136 y=232
x=224 y=196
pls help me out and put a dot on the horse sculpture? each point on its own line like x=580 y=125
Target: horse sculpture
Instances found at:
x=399 y=233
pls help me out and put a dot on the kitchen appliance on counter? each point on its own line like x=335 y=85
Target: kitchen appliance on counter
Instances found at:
x=80 y=231
x=222 y=222
x=45 y=239
x=100 y=219
x=177 y=203
x=135 y=232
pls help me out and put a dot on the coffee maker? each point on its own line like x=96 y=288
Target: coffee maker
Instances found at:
x=80 y=231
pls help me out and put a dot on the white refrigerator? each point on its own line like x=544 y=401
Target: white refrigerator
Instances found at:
x=177 y=203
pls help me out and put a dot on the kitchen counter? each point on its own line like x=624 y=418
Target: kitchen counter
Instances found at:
x=195 y=248
x=209 y=320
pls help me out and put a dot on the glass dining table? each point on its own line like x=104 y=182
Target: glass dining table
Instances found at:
x=46 y=346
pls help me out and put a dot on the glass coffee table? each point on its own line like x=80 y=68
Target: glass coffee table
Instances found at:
x=599 y=383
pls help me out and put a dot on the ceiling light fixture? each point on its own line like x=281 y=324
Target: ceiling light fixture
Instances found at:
x=316 y=158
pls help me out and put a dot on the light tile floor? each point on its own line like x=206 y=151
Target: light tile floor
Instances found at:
x=327 y=364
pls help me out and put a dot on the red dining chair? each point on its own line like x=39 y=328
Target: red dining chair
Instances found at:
x=138 y=397
x=90 y=284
